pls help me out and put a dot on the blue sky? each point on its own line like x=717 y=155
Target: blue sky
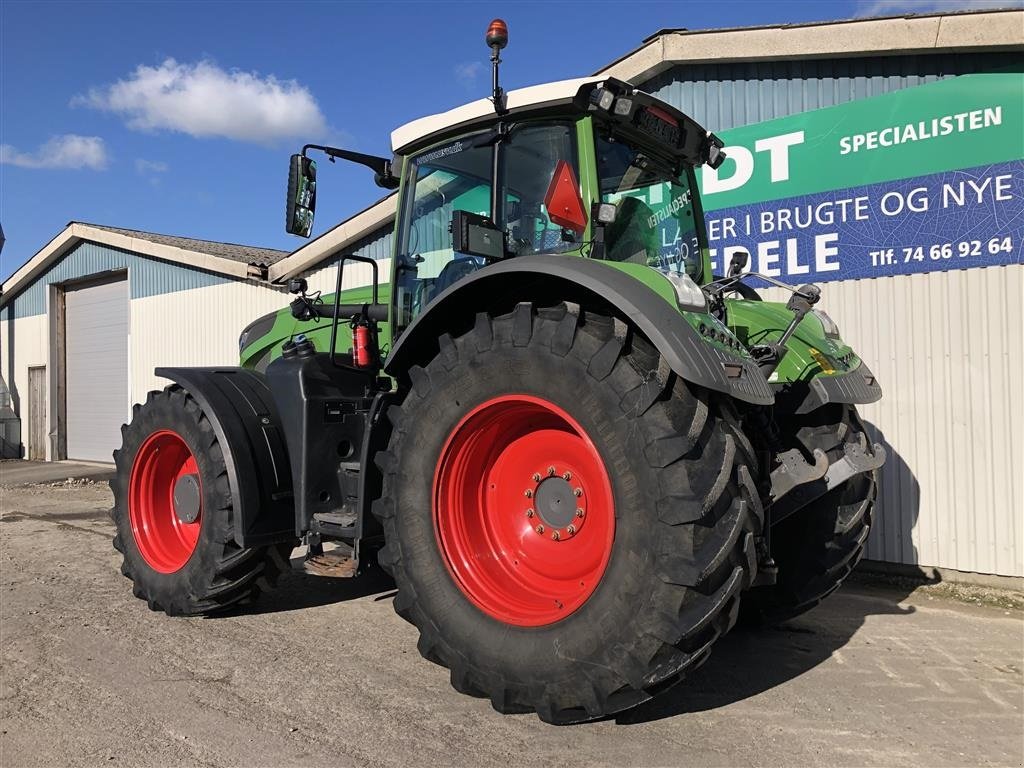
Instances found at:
x=179 y=117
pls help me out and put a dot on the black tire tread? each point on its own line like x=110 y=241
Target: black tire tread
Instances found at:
x=236 y=574
x=693 y=443
x=818 y=547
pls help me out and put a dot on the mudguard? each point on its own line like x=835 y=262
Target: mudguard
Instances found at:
x=818 y=368
x=245 y=420
x=497 y=288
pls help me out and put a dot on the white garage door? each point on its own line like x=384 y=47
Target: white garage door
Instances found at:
x=96 y=356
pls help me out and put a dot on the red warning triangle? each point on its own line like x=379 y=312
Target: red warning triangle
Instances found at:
x=563 y=201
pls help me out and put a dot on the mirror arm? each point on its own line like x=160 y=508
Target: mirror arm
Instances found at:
x=381 y=166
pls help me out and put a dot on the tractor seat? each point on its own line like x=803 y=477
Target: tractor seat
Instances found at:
x=454 y=271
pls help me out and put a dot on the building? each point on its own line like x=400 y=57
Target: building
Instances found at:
x=852 y=163
x=85 y=321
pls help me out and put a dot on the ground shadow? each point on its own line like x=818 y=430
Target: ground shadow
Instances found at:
x=749 y=661
x=891 y=545
x=297 y=590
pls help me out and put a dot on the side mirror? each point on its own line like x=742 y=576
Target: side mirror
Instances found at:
x=475 y=235
x=738 y=263
x=301 y=203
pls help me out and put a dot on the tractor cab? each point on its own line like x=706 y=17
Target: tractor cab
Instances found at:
x=590 y=167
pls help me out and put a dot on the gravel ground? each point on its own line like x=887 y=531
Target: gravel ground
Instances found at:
x=322 y=672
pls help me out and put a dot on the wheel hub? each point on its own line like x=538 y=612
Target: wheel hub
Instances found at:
x=187 y=501
x=558 y=504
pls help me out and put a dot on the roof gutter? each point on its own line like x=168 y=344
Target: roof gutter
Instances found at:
x=893 y=36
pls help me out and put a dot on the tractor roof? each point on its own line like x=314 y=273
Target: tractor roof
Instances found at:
x=419 y=132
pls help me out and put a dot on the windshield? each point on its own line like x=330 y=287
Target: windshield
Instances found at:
x=655 y=221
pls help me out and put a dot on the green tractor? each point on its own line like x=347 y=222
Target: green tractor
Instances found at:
x=579 y=454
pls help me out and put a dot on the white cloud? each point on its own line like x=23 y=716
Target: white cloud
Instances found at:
x=468 y=72
x=893 y=7
x=67 y=151
x=204 y=100
x=147 y=167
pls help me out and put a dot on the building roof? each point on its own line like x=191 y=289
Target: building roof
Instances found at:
x=238 y=261
x=246 y=254
x=889 y=35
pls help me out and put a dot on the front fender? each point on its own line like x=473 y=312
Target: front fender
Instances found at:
x=245 y=420
x=817 y=368
x=550 y=279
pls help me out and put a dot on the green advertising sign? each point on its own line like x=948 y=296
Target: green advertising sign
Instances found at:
x=961 y=122
x=918 y=180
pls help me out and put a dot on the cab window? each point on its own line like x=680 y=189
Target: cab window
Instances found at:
x=532 y=156
x=454 y=177
x=654 y=221
x=457 y=177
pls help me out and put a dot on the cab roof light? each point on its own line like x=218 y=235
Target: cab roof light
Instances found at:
x=603 y=98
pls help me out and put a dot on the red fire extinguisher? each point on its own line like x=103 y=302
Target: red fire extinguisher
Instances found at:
x=362 y=344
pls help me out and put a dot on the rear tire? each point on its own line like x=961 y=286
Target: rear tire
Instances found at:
x=182 y=568
x=680 y=516
x=817 y=547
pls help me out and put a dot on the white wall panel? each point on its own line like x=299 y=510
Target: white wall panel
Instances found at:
x=30 y=342
x=194 y=327
x=947 y=349
x=356 y=275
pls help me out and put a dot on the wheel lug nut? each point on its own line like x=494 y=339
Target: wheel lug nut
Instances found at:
x=580 y=513
x=577 y=492
x=540 y=529
x=566 y=476
x=530 y=513
x=528 y=494
x=551 y=471
x=555 y=536
x=536 y=477
x=571 y=530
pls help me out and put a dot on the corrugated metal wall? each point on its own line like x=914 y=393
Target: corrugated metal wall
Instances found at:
x=945 y=346
x=723 y=96
x=946 y=349
x=376 y=246
x=149 y=276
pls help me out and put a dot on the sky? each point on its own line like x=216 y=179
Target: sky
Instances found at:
x=179 y=117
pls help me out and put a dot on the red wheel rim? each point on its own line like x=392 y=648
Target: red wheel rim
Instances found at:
x=164 y=541
x=501 y=489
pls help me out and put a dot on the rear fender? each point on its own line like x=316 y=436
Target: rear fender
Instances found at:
x=549 y=279
x=245 y=420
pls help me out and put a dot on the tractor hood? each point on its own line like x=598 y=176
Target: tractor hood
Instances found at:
x=819 y=367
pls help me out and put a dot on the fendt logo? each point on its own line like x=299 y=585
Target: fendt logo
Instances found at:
x=777 y=150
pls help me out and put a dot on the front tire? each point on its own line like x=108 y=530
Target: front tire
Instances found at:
x=181 y=554
x=817 y=547
x=594 y=620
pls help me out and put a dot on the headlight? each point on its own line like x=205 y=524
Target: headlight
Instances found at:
x=831 y=329
x=688 y=293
